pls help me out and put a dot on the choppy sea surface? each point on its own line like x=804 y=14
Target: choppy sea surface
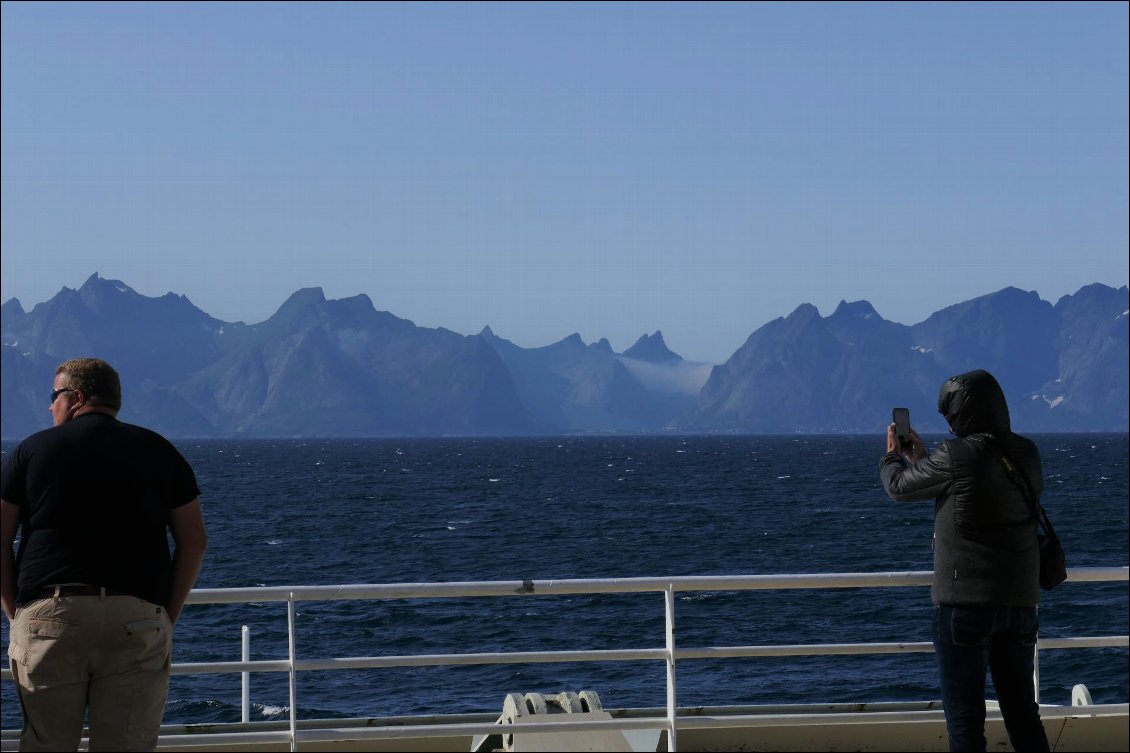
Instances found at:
x=302 y=512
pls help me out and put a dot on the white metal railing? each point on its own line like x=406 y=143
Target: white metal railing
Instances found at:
x=670 y=654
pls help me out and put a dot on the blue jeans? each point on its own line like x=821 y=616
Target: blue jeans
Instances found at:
x=969 y=640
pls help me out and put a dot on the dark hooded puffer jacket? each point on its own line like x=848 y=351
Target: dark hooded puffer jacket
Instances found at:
x=985 y=546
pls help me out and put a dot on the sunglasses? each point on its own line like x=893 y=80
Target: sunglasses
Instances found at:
x=55 y=393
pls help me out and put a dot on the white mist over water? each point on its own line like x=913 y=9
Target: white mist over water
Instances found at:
x=682 y=378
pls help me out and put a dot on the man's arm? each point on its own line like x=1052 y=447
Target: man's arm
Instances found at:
x=9 y=522
x=190 y=538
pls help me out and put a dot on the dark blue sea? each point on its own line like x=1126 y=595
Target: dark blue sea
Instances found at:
x=300 y=512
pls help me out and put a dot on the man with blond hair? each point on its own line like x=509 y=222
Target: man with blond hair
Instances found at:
x=93 y=593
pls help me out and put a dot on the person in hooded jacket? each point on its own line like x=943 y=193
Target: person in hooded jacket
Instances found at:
x=986 y=558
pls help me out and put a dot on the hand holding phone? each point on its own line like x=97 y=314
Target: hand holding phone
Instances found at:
x=901 y=417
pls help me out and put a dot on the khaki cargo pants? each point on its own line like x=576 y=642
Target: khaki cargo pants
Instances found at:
x=108 y=653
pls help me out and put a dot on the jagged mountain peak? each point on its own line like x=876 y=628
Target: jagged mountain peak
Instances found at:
x=653 y=349
x=602 y=346
x=10 y=312
x=488 y=335
x=304 y=297
x=98 y=284
x=359 y=304
x=1093 y=293
x=855 y=309
x=804 y=312
x=117 y=302
x=12 y=307
x=1005 y=298
x=361 y=299
x=296 y=305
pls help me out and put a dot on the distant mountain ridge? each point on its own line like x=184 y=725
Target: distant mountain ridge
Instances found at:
x=1063 y=367
x=321 y=367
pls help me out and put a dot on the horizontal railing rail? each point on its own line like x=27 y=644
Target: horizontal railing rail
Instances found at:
x=577 y=586
x=670 y=653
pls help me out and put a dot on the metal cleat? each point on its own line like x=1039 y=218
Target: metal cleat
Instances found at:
x=528 y=710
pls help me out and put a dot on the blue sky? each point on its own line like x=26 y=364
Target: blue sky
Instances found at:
x=607 y=169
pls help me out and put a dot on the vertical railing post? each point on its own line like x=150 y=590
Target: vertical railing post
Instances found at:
x=293 y=675
x=1036 y=669
x=669 y=603
x=245 y=656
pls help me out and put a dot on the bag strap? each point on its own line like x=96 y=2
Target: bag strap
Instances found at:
x=1020 y=480
x=1017 y=477
x=1046 y=522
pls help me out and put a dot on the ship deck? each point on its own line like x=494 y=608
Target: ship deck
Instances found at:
x=813 y=727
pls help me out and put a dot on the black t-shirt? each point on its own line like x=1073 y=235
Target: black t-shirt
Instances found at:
x=95 y=496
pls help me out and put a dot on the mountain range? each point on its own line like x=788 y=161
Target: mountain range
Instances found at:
x=321 y=367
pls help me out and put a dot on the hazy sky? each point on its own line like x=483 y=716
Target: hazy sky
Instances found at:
x=607 y=169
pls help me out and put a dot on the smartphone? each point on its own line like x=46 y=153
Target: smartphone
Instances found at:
x=901 y=417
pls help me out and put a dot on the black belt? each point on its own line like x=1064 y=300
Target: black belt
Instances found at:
x=49 y=592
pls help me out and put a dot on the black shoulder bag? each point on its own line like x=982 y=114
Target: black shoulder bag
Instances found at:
x=1053 y=563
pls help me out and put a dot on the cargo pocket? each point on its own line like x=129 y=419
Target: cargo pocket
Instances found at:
x=15 y=645
x=38 y=628
x=51 y=651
